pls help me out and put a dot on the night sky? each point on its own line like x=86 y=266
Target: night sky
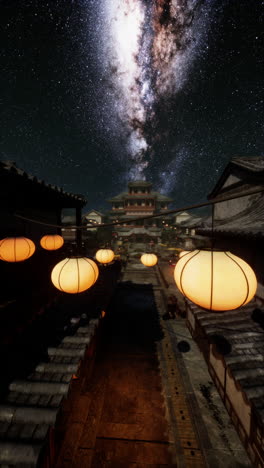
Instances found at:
x=94 y=93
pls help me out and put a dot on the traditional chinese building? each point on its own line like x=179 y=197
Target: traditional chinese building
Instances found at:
x=93 y=218
x=26 y=196
x=239 y=223
x=232 y=341
x=26 y=286
x=139 y=201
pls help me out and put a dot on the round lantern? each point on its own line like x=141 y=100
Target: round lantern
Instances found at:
x=149 y=259
x=74 y=275
x=183 y=252
x=104 y=255
x=51 y=242
x=16 y=249
x=215 y=280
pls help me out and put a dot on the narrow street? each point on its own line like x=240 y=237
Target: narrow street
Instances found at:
x=136 y=407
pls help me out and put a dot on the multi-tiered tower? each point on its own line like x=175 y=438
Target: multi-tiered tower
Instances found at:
x=139 y=201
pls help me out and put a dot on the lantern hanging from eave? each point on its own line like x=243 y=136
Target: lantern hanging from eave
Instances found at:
x=215 y=280
x=16 y=249
x=104 y=256
x=149 y=259
x=51 y=242
x=74 y=275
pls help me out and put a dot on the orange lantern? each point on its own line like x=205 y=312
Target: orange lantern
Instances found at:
x=74 y=275
x=52 y=242
x=215 y=280
x=149 y=259
x=104 y=256
x=16 y=249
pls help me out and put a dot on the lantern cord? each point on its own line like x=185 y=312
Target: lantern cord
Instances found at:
x=141 y=218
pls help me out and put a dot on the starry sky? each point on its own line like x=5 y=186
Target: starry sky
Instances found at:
x=94 y=93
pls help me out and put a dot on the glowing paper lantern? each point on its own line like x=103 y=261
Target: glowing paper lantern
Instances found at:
x=51 y=242
x=215 y=280
x=149 y=259
x=183 y=252
x=74 y=275
x=104 y=255
x=16 y=249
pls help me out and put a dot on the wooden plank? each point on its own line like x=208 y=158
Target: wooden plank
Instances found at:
x=114 y=452
x=119 y=404
x=70 y=444
x=142 y=431
x=64 y=463
x=80 y=409
x=83 y=458
x=94 y=415
x=115 y=464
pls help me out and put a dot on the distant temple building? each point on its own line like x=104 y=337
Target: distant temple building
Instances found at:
x=93 y=218
x=139 y=201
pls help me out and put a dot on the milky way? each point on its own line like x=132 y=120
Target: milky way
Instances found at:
x=97 y=92
x=148 y=50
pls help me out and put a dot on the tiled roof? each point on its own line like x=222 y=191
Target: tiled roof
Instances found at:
x=33 y=405
x=9 y=168
x=248 y=223
x=88 y=213
x=244 y=338
x=254 y=163
x=142 y=230
x=129 y=196
x=118 y=197
x=131 y=217
x=192 y=222
x=139 y=183
x=248 y=170
x=125 y=195
x=161 y=197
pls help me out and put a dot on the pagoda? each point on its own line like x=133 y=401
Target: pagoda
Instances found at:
x=139 y=201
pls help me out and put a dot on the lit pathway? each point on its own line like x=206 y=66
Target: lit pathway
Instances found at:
x=136 y=407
